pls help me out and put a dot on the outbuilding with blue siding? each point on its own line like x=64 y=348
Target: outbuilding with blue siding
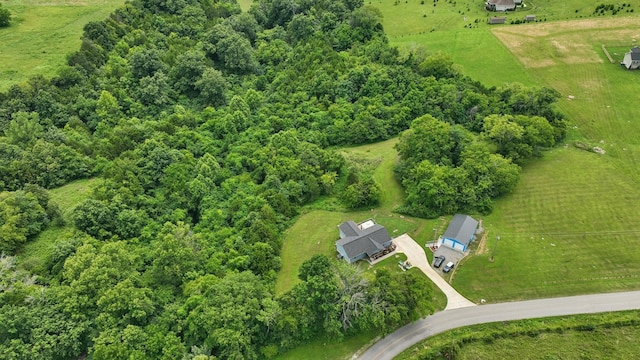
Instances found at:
x=460 y=232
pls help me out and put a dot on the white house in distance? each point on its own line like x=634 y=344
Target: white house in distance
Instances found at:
x=460 y=232
x=501 y=5
x=631 y=59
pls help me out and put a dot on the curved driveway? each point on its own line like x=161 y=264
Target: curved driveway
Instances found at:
x=393 y=344
x=416 y=256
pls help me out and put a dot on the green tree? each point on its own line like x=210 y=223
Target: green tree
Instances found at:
x=95 y=218
x=24 y=129
x=107 y=108
x=364 y=192
x=236 y=54
x=5 y=17
x=212 y=86
x=438 y=65
x=173 y=255
x=223 y=314
x=427 y=139
x=21 y=218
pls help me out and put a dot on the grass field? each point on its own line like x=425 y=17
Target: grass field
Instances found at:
x=467 y=48
x=34 y=254
x=43 y=33
x=571 y=225
x=614 y=343
x=245 y=4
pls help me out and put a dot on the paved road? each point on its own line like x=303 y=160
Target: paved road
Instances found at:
x=393 y=344
x=417 y=257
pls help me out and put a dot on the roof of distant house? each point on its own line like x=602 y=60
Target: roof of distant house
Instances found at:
x=502 y=2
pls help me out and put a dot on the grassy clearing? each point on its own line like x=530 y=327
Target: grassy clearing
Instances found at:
x=42 y=33
x=329 y=350
x=70 y=195
x=245 y=4
x=564 y=231
x=34 y=254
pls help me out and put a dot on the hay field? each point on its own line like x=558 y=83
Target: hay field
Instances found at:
x=567 y=42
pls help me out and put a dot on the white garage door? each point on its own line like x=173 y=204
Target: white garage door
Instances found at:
x=448 y=243
x=459 y=246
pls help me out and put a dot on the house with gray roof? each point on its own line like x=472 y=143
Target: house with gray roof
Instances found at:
x=366 y=240
x=631 y=59
x=460 y=232
x=500 y=5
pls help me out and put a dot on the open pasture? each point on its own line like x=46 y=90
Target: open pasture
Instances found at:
x=43 y=33
x=571 y=225
x=410 y=17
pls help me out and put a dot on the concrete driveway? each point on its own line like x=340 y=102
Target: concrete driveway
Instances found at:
x=417 y=257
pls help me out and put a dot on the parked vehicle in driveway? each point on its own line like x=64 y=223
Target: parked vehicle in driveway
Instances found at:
x=448 y=267
x=437 y=262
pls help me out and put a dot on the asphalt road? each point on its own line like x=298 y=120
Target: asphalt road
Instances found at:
x=403 y=338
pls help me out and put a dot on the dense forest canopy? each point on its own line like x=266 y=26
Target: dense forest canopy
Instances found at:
x=209 y=128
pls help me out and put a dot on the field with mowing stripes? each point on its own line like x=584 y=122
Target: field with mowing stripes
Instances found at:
x=571 y=225
x=565 y=230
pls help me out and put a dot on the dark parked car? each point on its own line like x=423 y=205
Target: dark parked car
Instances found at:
x=448 y=267
x=437 y=262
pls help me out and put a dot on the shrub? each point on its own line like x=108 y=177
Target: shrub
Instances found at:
x=5 y=17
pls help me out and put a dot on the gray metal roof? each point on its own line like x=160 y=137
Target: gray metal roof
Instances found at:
x=369 y=241
x=502 y=2
x=349 y=228
x=462 y=228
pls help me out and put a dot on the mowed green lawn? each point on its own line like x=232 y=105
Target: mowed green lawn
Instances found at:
x=43 y=33
x=476 y=52
x=571 y=226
